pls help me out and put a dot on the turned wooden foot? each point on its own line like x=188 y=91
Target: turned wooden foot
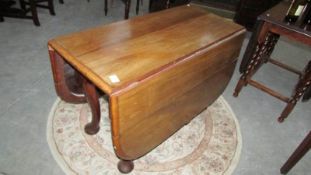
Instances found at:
x=287 y=110
x=238 y=87
x=125 y=166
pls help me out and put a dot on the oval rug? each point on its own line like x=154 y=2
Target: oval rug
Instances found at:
x=210 y=144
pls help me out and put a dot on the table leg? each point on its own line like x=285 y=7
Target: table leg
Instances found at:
x=125 y=166
x=303 y=84
x=65 y=90
x=127 y=8
x=300 y=151
x=93 y=101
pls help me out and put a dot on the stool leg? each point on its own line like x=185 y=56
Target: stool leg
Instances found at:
x=34 y=14
x=106 y=7
x=1 y=18
x=22 y=4
x=303 y=84
x=256 y=55
x=61 y=1
x=307 y=95
x=51 y=7
x=253 y=57
x=300 y=151
x=93 y=101
x=270 y=43
x=127 y=9
x=252 y=67
x=137 y=7
x=242 y=82
x=287 y=110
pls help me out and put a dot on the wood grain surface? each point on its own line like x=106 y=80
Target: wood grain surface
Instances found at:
x=154 y=108
x=159 y=70
x=143 y=45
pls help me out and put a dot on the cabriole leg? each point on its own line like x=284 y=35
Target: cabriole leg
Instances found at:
x=93 y=101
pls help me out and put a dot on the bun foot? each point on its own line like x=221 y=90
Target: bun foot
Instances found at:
x=125 y=166
x=90 y=129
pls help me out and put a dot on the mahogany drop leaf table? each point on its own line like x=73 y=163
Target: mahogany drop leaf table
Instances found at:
x=159 y=71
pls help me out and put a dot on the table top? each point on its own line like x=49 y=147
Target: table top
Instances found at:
x=276 y=15
x=118 y=55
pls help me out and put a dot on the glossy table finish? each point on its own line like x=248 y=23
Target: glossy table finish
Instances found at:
x=159 y=71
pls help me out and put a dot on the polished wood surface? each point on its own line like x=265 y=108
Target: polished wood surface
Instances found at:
x=149 y=41
x=159 y=71
x=166 y=101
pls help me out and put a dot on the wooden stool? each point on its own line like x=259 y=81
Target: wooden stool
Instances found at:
x=300 y=151
x=269 y=27
x=33 y=4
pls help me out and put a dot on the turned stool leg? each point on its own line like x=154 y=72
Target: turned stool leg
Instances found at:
x=303 y=84
x=125 y=166
x=287 y=110
x=242 y=82
x=93 y=101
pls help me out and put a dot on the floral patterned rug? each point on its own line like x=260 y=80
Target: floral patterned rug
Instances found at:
x=210 y=144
